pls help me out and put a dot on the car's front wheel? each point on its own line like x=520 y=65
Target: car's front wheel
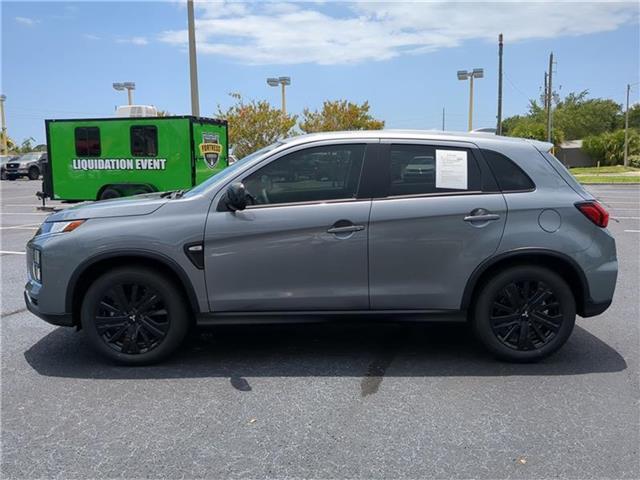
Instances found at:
x=135 y=316
x=524 y=313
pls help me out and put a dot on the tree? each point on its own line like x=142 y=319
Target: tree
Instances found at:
x=254 y=125
x=608 y=147
x=11 y=145
x=339 y=115
x=634 y=116
x=579 y=117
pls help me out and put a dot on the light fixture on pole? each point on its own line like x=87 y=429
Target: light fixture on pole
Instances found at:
x=128 y=86
x=283 y=82
x=5 y=150
x=470 y=75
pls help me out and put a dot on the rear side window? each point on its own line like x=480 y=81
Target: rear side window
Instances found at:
x=425 y=169
x=144 y=141
x=87 y=141
x=510 y=177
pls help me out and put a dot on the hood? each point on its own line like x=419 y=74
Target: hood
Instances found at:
x=116 y=207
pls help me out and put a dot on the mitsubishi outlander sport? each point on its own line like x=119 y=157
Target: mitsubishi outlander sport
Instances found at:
x=388 y=225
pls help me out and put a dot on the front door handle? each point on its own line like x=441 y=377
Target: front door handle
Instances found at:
x=346 y=229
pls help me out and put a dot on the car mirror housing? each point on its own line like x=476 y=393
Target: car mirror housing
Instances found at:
x=236 y=197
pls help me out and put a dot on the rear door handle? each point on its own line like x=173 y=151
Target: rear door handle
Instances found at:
x=482 y=218
x=346 y=229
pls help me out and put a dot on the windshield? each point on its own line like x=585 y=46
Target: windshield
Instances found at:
x=230 y=170
x=29 y=157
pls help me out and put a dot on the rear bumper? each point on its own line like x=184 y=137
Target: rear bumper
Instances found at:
x=62 y=320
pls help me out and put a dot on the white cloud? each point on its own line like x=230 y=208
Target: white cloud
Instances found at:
x=91 y=36
x=141 y=41
x=288 y=33
x=29 y=22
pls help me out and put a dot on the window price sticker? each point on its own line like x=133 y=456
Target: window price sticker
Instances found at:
x=451 y=169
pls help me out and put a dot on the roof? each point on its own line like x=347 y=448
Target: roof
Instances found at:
x=481 y=139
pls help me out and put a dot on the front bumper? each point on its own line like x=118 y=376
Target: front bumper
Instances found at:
x=62 y=320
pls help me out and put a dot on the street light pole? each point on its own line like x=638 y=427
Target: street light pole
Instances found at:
x=193 y=65
x=626 y=129
x=283 y=82
x=5 y=150
x=470 y=75
x=500 y=48
x=128 y=86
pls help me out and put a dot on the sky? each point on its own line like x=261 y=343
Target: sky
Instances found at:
x=59 y=59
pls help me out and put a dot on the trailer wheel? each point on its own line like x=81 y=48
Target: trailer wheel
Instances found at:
x=109 y=192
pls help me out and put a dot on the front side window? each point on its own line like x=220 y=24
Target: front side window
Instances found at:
x=144 y=141
x=87 y=141
x=311 y=175
x=426 y=169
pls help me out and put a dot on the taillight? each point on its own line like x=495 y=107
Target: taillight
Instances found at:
x=594 y=212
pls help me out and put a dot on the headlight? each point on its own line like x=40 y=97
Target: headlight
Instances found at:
x=36 y=265
x=59 y=227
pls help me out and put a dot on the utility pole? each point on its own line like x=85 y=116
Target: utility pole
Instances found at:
x=193 y=65
x=500 y=46
x=5 y=150
x=443 y=119
x=550 y=98
x=626 y=129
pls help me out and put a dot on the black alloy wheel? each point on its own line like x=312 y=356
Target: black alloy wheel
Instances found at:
x=132 y=318
x=135 y=315
x=524 y=313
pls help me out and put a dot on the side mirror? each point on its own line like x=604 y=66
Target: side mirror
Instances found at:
x=236 y=197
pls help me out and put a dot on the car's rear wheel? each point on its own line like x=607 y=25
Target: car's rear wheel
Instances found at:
x=34 y=173
x=524 y=313
x=135 y=316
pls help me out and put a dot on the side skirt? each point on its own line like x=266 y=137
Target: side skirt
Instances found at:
x=253 y=318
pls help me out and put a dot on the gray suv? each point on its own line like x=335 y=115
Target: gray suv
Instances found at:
x=386 y=225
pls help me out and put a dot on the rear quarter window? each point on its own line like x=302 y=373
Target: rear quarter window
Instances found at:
x=510 y=177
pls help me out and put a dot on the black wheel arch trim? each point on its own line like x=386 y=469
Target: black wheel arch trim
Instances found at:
x=145 y=254
x=583 y=309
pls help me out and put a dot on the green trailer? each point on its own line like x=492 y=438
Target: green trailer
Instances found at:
x=95 y=159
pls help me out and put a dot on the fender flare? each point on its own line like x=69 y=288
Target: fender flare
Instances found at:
x=166 y=261
x=516 y=254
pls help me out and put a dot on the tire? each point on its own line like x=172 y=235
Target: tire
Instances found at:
x=12 y=177
x=524 y=313
x=34 y=173
x=134 y=316
x=109 y=192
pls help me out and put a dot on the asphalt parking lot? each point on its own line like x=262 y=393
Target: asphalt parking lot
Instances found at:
x=376 y=401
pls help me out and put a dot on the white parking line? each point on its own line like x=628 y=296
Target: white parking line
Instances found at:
x=19 y=227
x=27 y=213
x=632 y=231
x=9 y=252
x=626 y=218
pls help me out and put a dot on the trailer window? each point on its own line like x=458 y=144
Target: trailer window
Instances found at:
x=87 y=141
x=144 y=141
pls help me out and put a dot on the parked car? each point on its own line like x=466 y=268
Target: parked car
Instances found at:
x=500 y=235
x=3 y=161
x=27 y=165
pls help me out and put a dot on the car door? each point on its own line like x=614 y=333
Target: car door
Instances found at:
x=439 y=216
x=302 y=246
